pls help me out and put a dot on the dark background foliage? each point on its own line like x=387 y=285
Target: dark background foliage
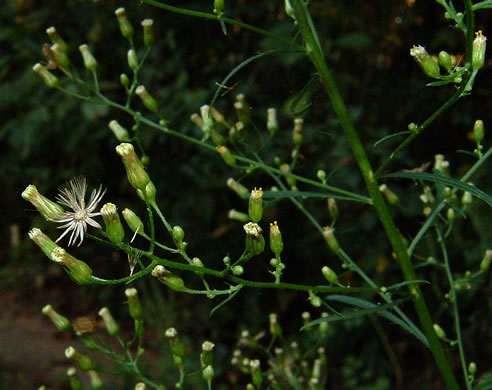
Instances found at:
x=48 y=138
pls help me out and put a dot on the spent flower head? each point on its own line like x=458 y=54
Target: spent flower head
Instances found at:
x=72 y=195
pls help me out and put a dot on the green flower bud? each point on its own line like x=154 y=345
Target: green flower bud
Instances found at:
x=314 y=299
x=125 y=25
x=324 y=326
x=119 y=131
x=466 y=199
x=50 y=210
x=111 y=326
x=227 y=156
x=75 y=382
x=272 y=123
x=237 y=270
x=218 y=6
x=146 y=98
x=321 y=175
x=131 y=56
x=208 y=373
x=238 y=188
x=445 y=60
x=60 y=56
x=333 y=208
x=136 y=173
x=62 y=323
x=243 y=110
x=79 y=271
x=83 y=362
x=207 y=355
x=255 y=208
x=426 y=62
x=487 y=259
x=439 y=332
x=114 y=228
x=134 y=304
x=56 y=38
x=133 y=221
x=478 y=131
x=178 y=233
x=328 y=234
x=124 y=80
x=472 y=368
x=206 y=119
x=43 y=241
x=49 y=79
x=148 y=32
x=297 y=132
x=168 y=278
x=478 y=53
x=90 y=62
x=238 y=216
x=290 y=180
x=141 y=386
x=275 y=329
x=329 y=275
x=148 y=193
x=255 y=243
x=412 y=126
x=390 y=196
x=96 y=382
x=256 y=375
x=177 y=347
x=276 y=244
x=451 y=215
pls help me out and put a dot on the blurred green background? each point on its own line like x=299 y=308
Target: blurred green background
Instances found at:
x=48 y=138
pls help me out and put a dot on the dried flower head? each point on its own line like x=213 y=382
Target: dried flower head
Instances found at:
x=72 y=195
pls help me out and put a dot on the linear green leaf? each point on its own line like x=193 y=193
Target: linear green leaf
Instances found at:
x=448 y=181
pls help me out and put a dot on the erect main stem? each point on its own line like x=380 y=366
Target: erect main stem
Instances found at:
x=313 y=49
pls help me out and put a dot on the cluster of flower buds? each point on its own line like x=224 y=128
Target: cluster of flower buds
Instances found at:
x=243 y=109
x=297 y=137
x=441 y=164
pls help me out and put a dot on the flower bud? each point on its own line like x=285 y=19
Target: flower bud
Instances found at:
x=297 y=132
x=478 y=52
x=146 y=98
x=237 y=270
x=450 y=215
x=330 y=238
x=238 y=188
x=62 y=323
x=60 y=56
x=96 y=382
x=75 y=383
x=207 y=356
x=445 y=60
x=168 y=278
x=148 y=193
x=243 y=110
x=114 y=228
x=256 y=374
x=218 y=6
x=131 y=56
x=478 y=131
x=136 y=173
x=177 y=347
x=439 y=332
x=321 y=175
x=487 y=259
x=119 y=131
x=255 y=243
x=207 y=121
x=148 y=32
x=133 y=221
x=50 y=210
x=314 y=299
x=390 y=196
x=49 y=79
x=134 y=304
x=272 y=123
x=332 y=208
x=225 y=153
x=238 y=216
x=472 y=368
x=255 y=208
x=466 y=199
x=276 y=244
x=124 y=80
x=140 y=386
x=83 y=362
x=111 y=326
x=90 y=62
x=290 y=180
x=426 y=62
x=125 y=25
x=323 y=326
x=329 y=275
x=275 y=329
x=208 y=373
x=178 y=233
x=79 y=271
x=56 y=38
x=43 y=241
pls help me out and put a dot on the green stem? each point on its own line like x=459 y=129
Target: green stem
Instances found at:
x=454 y=302
x=314 y=50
